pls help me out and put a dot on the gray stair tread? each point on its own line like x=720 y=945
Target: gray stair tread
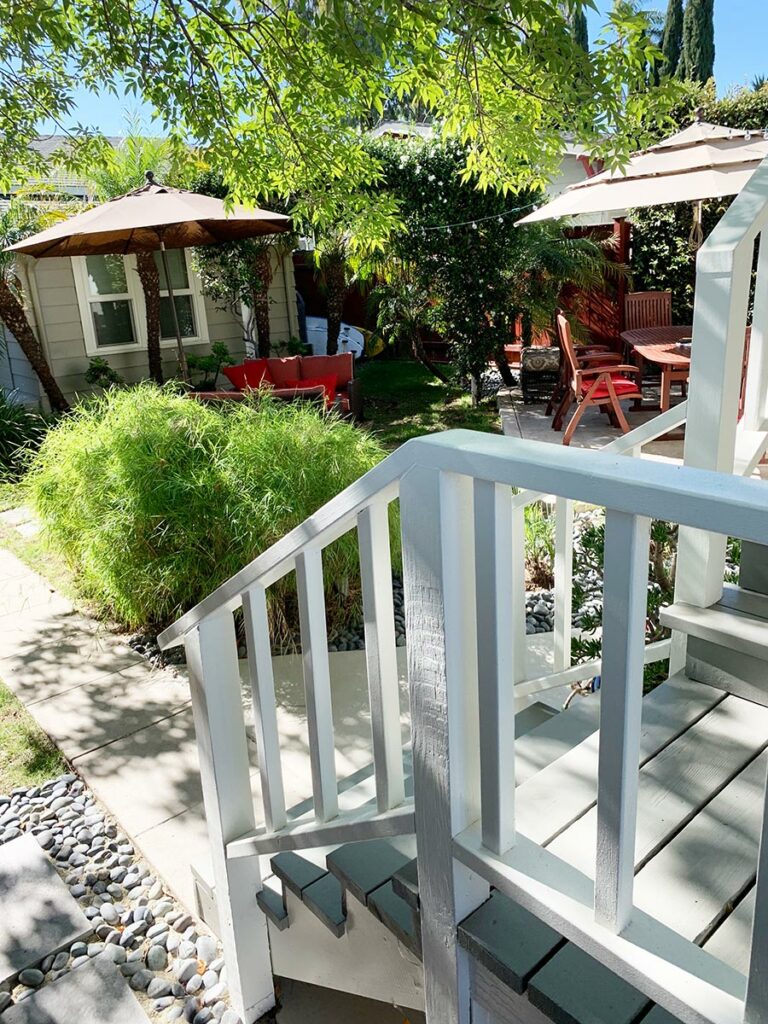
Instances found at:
x=271 y=903
x=573 y=988
x=95 y=993
x=748 y=602
x=295 y=872
x=659 y=1016
x=532 y=717
x=508 y=940
x=720 y=625
x=405 y=882
x=39 y=915
x=364 y=866
x=324 y=899
x=555 y=737
x=395 y=913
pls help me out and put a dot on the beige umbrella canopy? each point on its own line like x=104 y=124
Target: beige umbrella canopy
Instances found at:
x=153 y=217
x=704 y=161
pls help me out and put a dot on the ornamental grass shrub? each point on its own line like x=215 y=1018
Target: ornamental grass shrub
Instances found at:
x=155 y=499
x=21 y=432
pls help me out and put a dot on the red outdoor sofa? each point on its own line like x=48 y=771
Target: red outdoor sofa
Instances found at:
x=330 y=379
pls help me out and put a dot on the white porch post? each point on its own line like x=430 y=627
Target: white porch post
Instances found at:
x=438 y=560
x=217 y=708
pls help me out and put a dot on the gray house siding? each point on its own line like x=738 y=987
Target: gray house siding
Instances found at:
x=17 y=378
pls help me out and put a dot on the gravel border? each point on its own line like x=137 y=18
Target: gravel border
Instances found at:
x=170 y=960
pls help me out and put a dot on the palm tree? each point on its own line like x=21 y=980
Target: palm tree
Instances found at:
x=332 y=256
x=122 y=169
x=19 y=220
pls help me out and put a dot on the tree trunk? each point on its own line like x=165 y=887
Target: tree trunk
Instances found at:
x=336 y=286
x=14 y=316
x=150 y=282
x=500 y=358
x=262 y=269
x=419 y=353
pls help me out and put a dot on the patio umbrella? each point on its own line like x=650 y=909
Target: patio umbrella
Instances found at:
x=152 y=218
x=704 y=161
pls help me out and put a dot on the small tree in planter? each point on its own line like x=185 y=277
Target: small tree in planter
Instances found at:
x=209 y=366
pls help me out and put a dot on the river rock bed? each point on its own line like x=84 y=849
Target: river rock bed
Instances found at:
x=172 y=963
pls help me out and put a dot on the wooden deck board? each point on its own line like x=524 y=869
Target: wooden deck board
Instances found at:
x=555 y=797
x=681 y=779
x=699 y=810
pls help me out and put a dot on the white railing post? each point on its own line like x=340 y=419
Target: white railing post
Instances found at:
x=563 y=583
x=381 y=653
x=317 y=683
x=495 y=661
x=264 y=706
x=217 y=708
x=625 y=587
x=756 y=1002
x=438 y=562
x=756 y=392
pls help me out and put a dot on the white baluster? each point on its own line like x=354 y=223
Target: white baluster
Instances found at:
x=317 y=682
x=438 y=561
x=381 y=654
x=496 y=651
x=756 y=394
x=563 y=583
x=217 y=708
x=756 y=1003
x=264 y=706
x=625 y=575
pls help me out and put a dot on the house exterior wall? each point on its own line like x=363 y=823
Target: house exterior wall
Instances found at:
x=56 y=310
x=17 y=378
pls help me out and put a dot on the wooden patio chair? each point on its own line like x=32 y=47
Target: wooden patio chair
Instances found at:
x=585 y=354
x=604 y=385
x=647 y=309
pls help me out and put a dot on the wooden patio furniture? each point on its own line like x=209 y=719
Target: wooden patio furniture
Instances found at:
x=595 y=380
x=647 y=309
x=585 y=353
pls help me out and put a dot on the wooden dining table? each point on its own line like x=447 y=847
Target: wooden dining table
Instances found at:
x=658 y=345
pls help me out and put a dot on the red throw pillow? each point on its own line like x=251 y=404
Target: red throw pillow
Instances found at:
x=257 y=373
x=285 y=372
x=235 y=375
x=327 y=382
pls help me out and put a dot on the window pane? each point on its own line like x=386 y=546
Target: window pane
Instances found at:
x=106 y=275
x=177 y=267
x=113 y=322
x=184 y=312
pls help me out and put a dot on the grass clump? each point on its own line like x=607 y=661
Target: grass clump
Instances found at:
x=155 y=500
x=27 y=755
x=21 y=432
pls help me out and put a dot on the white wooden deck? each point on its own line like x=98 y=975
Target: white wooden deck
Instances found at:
x=700 y=800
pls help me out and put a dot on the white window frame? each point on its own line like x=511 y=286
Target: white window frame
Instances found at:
x=136 y=295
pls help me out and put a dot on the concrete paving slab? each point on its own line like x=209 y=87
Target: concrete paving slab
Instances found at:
x=37 y=672
x=14 y=516
x=109 y=707
x=95 y=993
x=39 y=916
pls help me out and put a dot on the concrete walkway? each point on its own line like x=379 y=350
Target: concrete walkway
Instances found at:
x=127 y=726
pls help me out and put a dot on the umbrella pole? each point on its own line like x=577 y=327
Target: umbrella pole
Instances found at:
x=177 y=329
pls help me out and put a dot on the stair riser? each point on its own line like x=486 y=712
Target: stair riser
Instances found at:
x=727 y=670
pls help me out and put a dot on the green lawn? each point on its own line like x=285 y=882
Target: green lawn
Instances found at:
x=403 y=400
x=27 y=755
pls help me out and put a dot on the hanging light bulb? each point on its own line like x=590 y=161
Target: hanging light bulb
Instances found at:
x=474 y=225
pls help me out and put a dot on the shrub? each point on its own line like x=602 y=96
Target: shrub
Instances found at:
x=155 y=500
x=21 y=433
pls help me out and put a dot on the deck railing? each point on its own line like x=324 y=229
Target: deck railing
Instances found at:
x=495 y=602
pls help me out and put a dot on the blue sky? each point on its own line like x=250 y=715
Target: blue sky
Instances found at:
x=741 y=29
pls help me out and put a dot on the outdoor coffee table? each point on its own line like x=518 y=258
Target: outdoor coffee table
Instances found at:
x=658 y=345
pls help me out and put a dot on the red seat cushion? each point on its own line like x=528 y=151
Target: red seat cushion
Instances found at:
x=326 y=382
x=257 y=373
x=621 y=385
x=285 y=372
x=235 y=375
x=342 y=365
